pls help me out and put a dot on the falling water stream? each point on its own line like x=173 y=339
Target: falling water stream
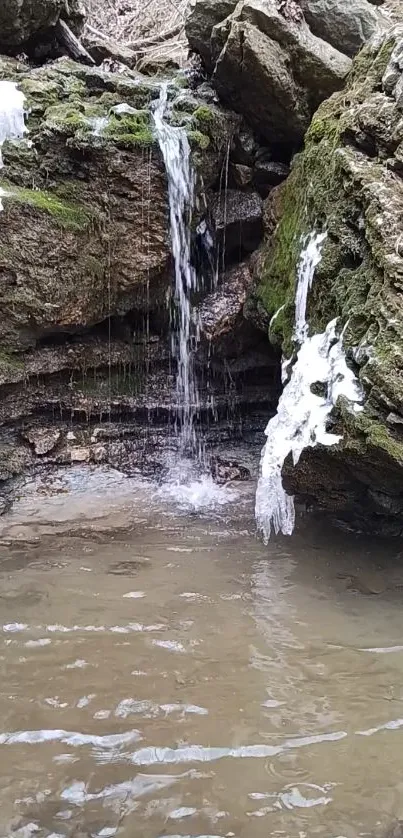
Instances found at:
x=175 y=150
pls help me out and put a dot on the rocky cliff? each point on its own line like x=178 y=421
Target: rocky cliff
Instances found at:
x=348 y=180
x=85 y=257
x=86 y=264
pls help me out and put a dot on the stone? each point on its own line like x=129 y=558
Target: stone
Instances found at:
x=242 y=175
x=237 y=220
x=220 y=310
x=275 y=71
x=346 y=24
x=267 y=174
x=21 y=20
x=80 y=455
x=44 y=440
x=103 y=49
x=199 y=25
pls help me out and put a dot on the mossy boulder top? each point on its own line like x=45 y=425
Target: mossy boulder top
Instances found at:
x=84 y=231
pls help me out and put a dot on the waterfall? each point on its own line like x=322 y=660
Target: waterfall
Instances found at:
x=175 y=150
x=302 y=415
x=12 y=125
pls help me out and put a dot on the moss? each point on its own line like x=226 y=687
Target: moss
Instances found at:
x=198 y=140
x=9 y=359
x=67 y=215
x=130 y=130
x=376 y=435
x=67 y=119
x=204 y=117
x=276 y=289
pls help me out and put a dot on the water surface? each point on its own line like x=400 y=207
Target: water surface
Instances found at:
x=165 y=674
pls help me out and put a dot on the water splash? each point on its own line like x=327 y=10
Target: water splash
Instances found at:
x=175 y=150
x=302 y=415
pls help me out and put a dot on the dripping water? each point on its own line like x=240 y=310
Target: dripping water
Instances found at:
x=175 y=149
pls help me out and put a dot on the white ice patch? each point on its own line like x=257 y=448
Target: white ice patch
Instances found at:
x=12 y=125
x=309 y=260
x=301 y=422
x=302 y=416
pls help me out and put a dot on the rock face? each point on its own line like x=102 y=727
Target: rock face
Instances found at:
x=73 y=244
x=86 y=269
x=268 y=65
x=20 y=20
x=350 y=178
x=346 y=24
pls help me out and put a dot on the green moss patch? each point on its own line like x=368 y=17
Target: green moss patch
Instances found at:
x=130 y=129
x=65 y=214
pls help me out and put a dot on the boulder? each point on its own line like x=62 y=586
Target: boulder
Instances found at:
x=76 y=190
x=237 y=221
x=21 y=20
x=346 y=24
x=204 y=15
x=349 y=177
x=220 y=310
x=44 y=440
x=274 y=71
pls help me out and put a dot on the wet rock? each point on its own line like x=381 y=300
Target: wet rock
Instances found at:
x=20 y=20
x=275 y=71
x=43 y=439
x=346 y=24
x=14 y=459
x=268 y=173
x=242 y=175
x=245 y=147
x=80 y=455
x=199 y=25
x=220 y=310
x=237 y=219
x=359 y=280
x=225 y=471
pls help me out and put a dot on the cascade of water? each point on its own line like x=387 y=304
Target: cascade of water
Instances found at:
x=12 y=125
x=302 y=416
x=175 y=149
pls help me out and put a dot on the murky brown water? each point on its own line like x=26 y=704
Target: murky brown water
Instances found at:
x=165 y=674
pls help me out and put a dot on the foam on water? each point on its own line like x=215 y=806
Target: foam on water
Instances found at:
x=302 y=415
